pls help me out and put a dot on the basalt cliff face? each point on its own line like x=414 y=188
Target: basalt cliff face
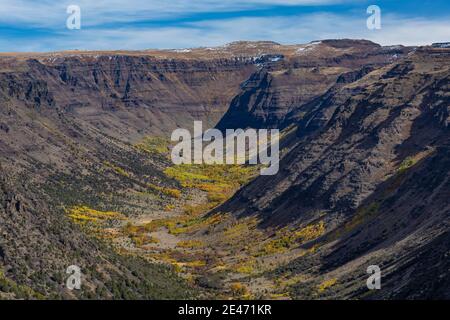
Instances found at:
x=132 y=92
x=69 y=127
x=363 y=180
x=275 y=96
x=370 y=158
x=355 y=136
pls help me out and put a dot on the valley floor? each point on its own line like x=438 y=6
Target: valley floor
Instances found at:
x=223 y=256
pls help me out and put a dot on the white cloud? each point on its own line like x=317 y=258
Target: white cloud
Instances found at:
x=297 y=29
x=48 y=14
x=284 y=29
x=411 y=31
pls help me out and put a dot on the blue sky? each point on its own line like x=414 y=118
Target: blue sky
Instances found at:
x=40 y=25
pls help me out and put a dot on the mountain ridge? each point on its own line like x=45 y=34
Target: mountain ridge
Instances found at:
x=85 y=134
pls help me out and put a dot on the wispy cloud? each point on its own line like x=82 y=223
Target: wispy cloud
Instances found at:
x=131 y=24
x=50 y=13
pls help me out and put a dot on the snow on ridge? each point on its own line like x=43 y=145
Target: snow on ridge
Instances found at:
x=308 y=46
x=441 y=45
x=182 y=50
x=395 y=47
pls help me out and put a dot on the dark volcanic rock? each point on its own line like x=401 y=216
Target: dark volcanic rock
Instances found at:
x=366 y=153
x=371 y=160
x=271 y=96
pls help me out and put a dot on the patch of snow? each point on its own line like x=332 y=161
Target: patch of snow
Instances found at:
x=308 y=47
x=182 y=50
x=441 y=45
x=392 y=47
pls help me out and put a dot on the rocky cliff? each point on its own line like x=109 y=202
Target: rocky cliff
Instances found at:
x=363 y=176
x=370 y=160
x=277 y=94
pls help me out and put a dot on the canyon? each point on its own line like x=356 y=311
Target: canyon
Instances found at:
x=86 y=177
